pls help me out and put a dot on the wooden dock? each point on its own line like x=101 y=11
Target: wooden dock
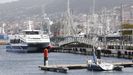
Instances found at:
x=125 y=64
x=65 y=67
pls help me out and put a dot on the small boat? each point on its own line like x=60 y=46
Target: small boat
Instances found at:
x=98 y=64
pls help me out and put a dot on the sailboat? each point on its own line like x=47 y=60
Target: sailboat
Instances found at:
x=98 y=64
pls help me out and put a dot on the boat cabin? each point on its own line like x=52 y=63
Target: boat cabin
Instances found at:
x=32 y=32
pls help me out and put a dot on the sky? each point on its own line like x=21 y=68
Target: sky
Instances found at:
x=4 y=1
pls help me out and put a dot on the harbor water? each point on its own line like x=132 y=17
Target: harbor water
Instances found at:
x=27 y=64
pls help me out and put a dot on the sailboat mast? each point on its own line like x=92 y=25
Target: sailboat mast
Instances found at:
x=121 y=21
x=93 y=9
x=94 y=16
x=94 y=55
x=30 y=25
x=93 y=49
x=3 y=28
x=68 y=17
x=67 y=27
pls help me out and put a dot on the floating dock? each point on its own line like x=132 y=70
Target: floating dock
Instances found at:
x=125 y=64
x=64 y=68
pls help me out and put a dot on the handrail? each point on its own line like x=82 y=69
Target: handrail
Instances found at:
x=82 y=40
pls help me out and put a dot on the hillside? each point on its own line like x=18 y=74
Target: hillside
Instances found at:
x=27 y=8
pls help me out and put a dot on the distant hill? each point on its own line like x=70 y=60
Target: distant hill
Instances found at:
x=26 y=8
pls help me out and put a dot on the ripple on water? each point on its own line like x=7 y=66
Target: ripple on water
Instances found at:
x=27 y=64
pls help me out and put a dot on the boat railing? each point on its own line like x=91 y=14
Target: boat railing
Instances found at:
x=15 y=48
x=21 y=38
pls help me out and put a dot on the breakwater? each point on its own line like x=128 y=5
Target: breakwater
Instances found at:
x=127 y=54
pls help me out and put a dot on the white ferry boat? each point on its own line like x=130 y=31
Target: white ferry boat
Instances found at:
x=29 y=41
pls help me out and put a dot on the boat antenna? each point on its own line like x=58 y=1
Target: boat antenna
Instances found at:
x=30 y=25
x=3 y=28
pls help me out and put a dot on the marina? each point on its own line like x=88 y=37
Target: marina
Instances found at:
x=50 y=37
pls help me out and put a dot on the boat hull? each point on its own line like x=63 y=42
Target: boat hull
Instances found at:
x=26 y=48
x=20 y=48
x=93 y=67
x=100 y=67
x=36 y=47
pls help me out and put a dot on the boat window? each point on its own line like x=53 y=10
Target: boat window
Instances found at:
x=15 y=41
x=31 y=32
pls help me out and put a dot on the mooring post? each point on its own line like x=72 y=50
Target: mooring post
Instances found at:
x=118 y=54
x=45 y=53
x=98 y=52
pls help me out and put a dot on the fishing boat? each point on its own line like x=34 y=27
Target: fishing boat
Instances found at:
x=29 y=40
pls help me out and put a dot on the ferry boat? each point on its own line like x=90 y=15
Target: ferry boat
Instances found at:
x=29 y=41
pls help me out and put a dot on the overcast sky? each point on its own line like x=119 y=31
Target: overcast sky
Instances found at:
x=4 y=1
